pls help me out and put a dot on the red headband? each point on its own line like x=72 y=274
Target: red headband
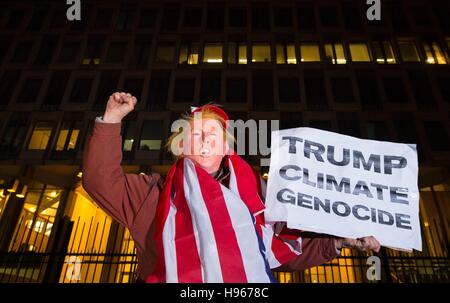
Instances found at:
x=217 y=110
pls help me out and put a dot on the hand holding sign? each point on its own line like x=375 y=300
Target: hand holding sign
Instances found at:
x=340 y=185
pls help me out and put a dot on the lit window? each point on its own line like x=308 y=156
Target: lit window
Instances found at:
x=434 y=53
x=128 y=137
x=93 y=51
x=213 y=53
x=68 y=136
x=261 y=53
x=359 y=52
x=335 y=53
x=164 y=54
x=41 y=135
x=189 y=53
x=382 y=52
x=151 y=135
x=309 y=52
x=237 y=53
x=286 y=54
x=408 y=51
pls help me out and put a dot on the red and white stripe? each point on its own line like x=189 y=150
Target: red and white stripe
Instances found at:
x=206 y=232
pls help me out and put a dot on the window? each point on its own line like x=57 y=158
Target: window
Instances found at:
x=306 y=18
x=421 y=88
x=116 y=52
x=421 y=16
x=368 y=89
x=46 y=51
x=164 y=53
x=260 y=16
x=351 y=13
x=286 y=54
x=58 y=19
x=444 y=88
x=69 y=52
x=30 y=91
x=437 y=135
x=148 y=18
x=5 y=43
x=348 y=124
x=261 y=53
x=237 y=53
x=288 y=90
x=81 y=90
x=189 y=53
x=382 y=52
x=321 y=124
x=406 y=128
x=395 y=89
x=237 y=17
x=170 y=18
x=158 y=90
x=125 y=19
x=328 y=16
x=342 y=89
x=236 y=90
x=37 y=20
x=315 y=90
x=377 y=130
x=103 y=18
x=184 y=90
x=309 y=52
x=192 y=17
x=68 y=136
x=262 y=87
x=56 y=88
x=210 y=87
x=151 y=135
x=282 y=17
x=213 y=53
x=22 y=52
x=408 y=51
x=15 y=19
x=129 y=128
x=335 y=53
x=359 y=52
x=215 y=16
x=40 y=136
x=8 y=84
x=93 y=50
x=141 y=52
x=134 y=86
x=108 y=84
x=433 y=53
x=396 y=11
x=13 y=137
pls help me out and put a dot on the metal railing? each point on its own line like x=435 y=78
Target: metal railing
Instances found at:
x=121 y=268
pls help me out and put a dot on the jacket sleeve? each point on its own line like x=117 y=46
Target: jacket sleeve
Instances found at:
x=317 y=249
x=119 y=194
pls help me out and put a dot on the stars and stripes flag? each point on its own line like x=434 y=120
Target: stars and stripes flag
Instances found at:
x=207 y=232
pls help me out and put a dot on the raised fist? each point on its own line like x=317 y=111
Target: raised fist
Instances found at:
x=119 y=105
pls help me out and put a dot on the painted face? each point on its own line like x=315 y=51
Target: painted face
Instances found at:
x=207 y=144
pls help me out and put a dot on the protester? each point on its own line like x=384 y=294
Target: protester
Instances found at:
x=205 y=222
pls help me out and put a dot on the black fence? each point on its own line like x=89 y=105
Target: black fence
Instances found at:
x=121 y=268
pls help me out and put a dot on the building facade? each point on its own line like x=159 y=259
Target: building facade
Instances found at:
x=321 y=64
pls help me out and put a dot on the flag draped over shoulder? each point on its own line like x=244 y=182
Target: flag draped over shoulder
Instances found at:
x=206 y=232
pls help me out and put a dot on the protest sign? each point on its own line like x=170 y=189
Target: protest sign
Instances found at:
x=335 y=184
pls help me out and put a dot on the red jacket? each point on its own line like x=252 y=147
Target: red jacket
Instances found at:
x=131 y=200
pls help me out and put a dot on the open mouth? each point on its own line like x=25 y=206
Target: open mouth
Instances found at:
x=205 y=152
